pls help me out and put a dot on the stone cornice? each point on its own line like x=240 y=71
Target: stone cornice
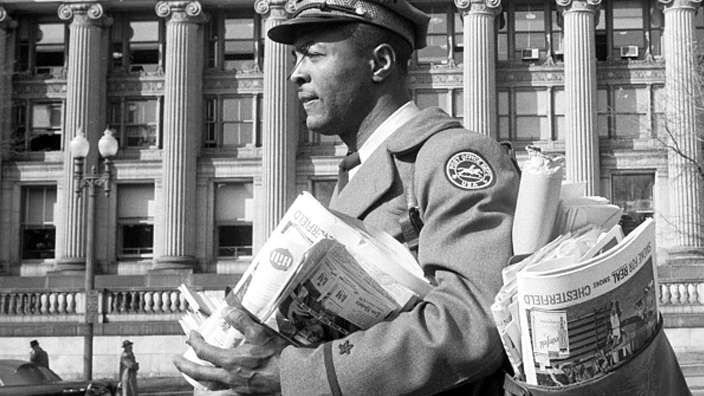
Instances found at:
x=181 y=11
x=84 y=13
x=492 y=7
x=275 y=9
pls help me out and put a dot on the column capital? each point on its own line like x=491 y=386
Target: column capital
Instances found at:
x=492 y=7
x=84 y=13
x=6 y=21
x=580 y=5
x=681 y=4
x=275 y=9
x=181 y=11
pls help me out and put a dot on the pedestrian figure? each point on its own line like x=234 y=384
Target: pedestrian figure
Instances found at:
x=38 y=356
x=128 y=370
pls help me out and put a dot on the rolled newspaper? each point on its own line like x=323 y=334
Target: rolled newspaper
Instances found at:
x=538 y=201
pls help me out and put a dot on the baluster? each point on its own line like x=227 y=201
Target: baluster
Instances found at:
x=52 y=303
x=183 y=303
x=684 y=296
x=71 y=303
x=44 y=303
x=134 y=306
x=674 y=294
x=174 y=301
x=692 y=294
x=21 y=303
x=61 y=303
x=34 y=302
x=157 y=302
x=165 y=301
x=124 y=297
x=3 y=301
x=109 y=301
x=148 y=301
x=142 y=303
x=700 y=293
x=664 y=294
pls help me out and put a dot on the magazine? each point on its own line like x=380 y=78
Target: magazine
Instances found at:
x=321 y=275
x=581 y=319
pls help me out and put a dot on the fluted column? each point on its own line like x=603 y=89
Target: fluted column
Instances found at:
x=85 y=110
x=279 y=135
x=581 y=141
x=681 y=94
x=183 y=80
x=480 y=64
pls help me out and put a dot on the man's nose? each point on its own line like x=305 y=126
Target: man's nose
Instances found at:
x=297 y=75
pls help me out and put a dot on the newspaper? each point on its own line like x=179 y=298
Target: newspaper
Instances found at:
x=321 y=275
x=583 y=314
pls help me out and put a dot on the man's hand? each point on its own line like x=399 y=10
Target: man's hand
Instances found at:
x=252 y=368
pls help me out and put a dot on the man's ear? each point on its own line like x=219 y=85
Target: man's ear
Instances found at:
x=384 y=61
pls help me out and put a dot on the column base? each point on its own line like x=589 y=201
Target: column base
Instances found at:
x=685 y=256
x=174 y=264
x=69 y=265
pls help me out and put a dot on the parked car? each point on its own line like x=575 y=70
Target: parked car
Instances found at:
x=22 y=378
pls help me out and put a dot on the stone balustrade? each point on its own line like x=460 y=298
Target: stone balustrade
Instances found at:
x=682 y=293
x=53 y=306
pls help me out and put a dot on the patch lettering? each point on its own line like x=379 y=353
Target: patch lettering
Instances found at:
x=469 y=171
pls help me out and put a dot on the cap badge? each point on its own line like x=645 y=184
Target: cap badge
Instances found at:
x=469 y=171
x=360 y=11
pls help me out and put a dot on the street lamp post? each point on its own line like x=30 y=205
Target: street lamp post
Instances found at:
x=79 y=146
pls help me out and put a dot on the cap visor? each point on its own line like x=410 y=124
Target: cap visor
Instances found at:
x=286 y=32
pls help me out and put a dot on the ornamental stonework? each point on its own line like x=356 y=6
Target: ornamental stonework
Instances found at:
x=181 y=11
x=275 y=9
x=492 y=7
x=84 y=14
x=680 y=4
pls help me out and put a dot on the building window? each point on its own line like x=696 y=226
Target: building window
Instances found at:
x=235 y=43
x=37 y=126
x=322 y=190
x=504 y=110
x=135 y=121
x=529 y=36
x=234 y=216
x=231 y=122
x=630 y=111
x=445 y=37
x=37 y=222
x=634 y=193
x=602 y=112
x=137 y=45
x=531 y=115
x=628 y=29
x=135 y=220
x=41 y=47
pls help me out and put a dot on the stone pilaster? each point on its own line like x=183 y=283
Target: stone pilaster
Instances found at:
x=480 y=64
x=7 y=24
x=581 y=141
x=85 y=109
x=279 y=133
x=183 y=79
x=682 y=91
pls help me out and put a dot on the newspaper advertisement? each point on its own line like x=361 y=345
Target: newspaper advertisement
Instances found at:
x=582 y=320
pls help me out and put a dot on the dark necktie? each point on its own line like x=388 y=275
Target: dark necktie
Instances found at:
x=347 y=163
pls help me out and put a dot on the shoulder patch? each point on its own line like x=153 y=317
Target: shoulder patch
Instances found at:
x=469 y=171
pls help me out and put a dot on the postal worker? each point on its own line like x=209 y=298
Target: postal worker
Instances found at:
x=351 y=59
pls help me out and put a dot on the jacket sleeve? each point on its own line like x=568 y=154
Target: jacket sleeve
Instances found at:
x=450 y=338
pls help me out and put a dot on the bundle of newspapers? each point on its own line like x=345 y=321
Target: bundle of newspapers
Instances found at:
x=578 y=306
x=321 y=275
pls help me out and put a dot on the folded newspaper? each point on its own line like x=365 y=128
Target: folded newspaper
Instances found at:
x=580 y=306
x=321 y=275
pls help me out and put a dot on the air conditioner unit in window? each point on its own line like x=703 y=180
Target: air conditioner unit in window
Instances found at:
x=629 y=52
x=530 y=54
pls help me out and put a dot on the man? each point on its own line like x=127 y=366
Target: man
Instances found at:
x=128 y=370
x=38 y=355
x=350 y=70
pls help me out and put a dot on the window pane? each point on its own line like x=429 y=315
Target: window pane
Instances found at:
x=38 y=243
x=144 y=31
x=530 y=102
x=38 y=231
x=239 y=29
x=629 y=125
x=135 y=201
x=137 y=239
x=235 y=240
x=631 y=100
x=431 y=99
x=435 y=52
x=529 y=128
x=634 y=193
x=322 y=190
x=628 y=14
x=234 y=202
x=46 y=127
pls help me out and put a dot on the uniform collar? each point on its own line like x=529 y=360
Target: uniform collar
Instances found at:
x=402 y=115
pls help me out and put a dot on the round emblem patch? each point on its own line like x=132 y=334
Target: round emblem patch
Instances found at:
x=469 y=171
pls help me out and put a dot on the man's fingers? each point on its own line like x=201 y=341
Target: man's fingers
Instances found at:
x=217 y=356
x=214 y=378
x=254 y=333
x=211 y=377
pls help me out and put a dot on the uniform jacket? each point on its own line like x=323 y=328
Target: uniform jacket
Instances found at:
x=39 y=357
x=449 y=340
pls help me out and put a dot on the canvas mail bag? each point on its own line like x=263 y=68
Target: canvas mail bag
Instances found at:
x=653 y=371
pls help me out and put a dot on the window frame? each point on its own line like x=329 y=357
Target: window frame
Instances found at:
x=22 y=123
x=215 y=47
x=214 y=122
x=122 y=222
x=120 y=44
x=120 y=126
x=239 y=251
x=25 y=226
x=640 y=214
x=26 y=51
